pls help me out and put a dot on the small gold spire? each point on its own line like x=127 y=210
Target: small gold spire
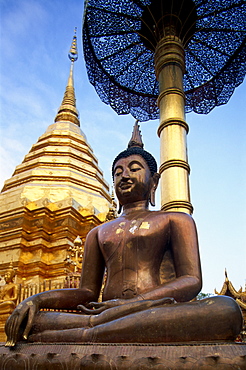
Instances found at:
x=112 y=195
x=112 y=210
x=67 y=110
x=73 y=52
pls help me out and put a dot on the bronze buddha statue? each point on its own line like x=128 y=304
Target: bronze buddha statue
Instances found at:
x=137 y=307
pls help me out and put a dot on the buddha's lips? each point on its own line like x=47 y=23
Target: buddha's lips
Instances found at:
x=126 y=185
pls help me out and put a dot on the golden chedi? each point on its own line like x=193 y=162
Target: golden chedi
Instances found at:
x=57 y=193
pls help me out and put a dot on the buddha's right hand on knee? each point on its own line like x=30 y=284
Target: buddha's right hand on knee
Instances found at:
x=29 y=308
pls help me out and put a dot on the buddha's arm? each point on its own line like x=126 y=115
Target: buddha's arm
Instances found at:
x=93 y=266
x=53 y=299
x=90 y=283
x=61 y=298
x=184 y=244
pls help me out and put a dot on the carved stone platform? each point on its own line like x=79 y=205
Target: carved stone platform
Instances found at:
x=73 y=356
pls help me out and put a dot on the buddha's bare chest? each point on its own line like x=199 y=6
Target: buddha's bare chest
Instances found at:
x=6 y=291
x=125 y=240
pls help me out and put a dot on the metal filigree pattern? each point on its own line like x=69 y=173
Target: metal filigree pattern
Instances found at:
x=121 y=67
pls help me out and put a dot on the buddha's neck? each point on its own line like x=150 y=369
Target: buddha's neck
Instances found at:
x=141 y=205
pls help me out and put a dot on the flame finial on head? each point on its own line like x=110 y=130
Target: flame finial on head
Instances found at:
x=226 y=275
x=136 y=139
x=135 y=147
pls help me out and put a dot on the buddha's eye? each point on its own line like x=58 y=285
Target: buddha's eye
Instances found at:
x=135 y=167
x=118 y=172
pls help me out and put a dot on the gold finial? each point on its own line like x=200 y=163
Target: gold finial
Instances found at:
x=73 y=52
x=67 y=110
x=112 y=195
x=77 y=241
x=111 y=215
x=136 y=139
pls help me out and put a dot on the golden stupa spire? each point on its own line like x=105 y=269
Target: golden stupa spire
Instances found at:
x=67 y=110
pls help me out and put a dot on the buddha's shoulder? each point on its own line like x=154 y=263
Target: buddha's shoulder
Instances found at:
x=171 y=216
x=109 y=224
x=160 y=216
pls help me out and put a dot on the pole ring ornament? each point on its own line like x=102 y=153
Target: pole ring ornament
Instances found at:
x=172 y=121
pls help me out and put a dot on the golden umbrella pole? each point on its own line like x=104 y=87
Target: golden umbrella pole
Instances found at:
x=174 y=168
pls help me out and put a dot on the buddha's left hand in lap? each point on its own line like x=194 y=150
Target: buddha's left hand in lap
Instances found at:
x=94 y=308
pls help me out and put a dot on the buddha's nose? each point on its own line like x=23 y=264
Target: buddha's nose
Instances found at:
x=125 y=173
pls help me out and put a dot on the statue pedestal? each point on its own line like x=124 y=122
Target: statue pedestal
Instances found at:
x=76 y=356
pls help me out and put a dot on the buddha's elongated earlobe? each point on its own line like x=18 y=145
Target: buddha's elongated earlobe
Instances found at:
x=152 y=196
x=120 y=209
x=156 y=178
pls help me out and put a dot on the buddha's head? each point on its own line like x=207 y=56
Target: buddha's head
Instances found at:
x=135 y=172
x=10 y=274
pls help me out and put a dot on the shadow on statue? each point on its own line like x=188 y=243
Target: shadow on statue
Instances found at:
x=140 y=303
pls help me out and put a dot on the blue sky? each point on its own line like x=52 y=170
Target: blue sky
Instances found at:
x=35 y=38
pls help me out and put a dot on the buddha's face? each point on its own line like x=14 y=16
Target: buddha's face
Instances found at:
x=9 y=276
x=132 y=179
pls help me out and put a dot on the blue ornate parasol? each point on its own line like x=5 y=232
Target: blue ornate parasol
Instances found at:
x=120 y=37
x=162 y=58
